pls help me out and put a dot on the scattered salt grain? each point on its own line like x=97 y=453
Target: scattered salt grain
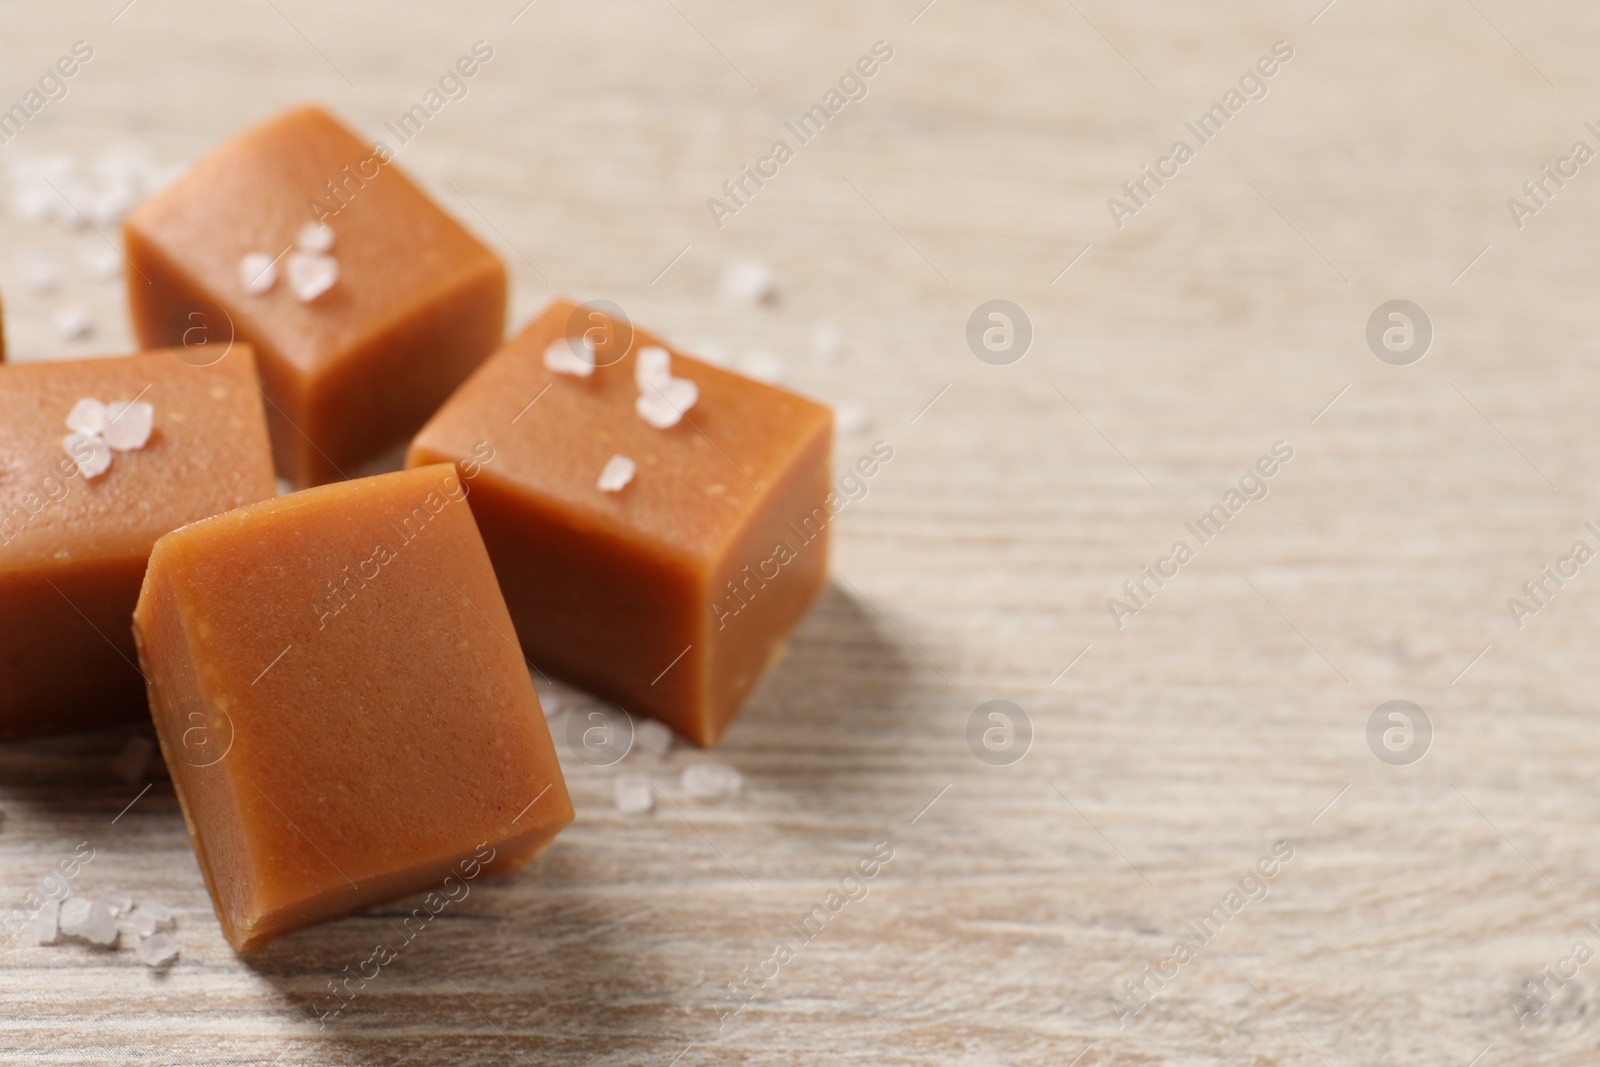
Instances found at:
x=89 y=921
x=311 y=274
x=633 y=793
x=653 y=367
x=149 y=917
x=128 y=424
x=132 y=764
x=619 y=471
x=47 y=922
x=712 y=352
x=825 y=342
x=314 y=237
x=89 y=452
x=848 y=419
x=101 y=262
x=87 y=416
x=157 y=950
x=662 y=406
x=651 y=737
x=745 y=283
x=707 y=781
x=119 y=902
x=73 y=322
x=564 y=357
x=257 y=273
x=762 y=366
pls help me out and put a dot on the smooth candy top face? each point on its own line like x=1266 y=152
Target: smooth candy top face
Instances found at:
x=696 y=483
x=207 y=453
x=396 y=250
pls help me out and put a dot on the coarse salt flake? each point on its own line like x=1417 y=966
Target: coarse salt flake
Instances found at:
x=157 y=949
x=128 y=424
x=653 y=367
x=89 y=452
x=314 y=237
x=652 y=738
x=87 y=416
x=708 y=781
x=633 y=793
x=663 y=405
x=311 y=274
x=564 y=357
x=258 y=273
x=618 y=472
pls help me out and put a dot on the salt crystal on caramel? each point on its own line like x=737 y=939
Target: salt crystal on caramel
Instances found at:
x=339 y=694
x=366 y=303
x=98 y=459
x=659 y=525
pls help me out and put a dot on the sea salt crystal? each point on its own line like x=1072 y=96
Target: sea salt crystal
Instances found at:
x=149 y=917
x=119 y=902
x=48 y=926
x=564 y=357
x=618 y=473
x=662 y=406
x=88 y=416
x=708 y=781
x=90 y=452
x=89 y=921
x=311 y=274
x=633 y=793
x=257 y=273
x=132 y=763
x=825 y=342
x=745 y=283
x=315 y=237
x=128 y=424
x=73 y=322
x=848 y=418
x=652 y=738
x=653 y=367
x=157 y=949
x=101 y=261
x=762 y=366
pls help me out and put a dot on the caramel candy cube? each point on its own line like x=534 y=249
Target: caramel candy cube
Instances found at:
x=673 y=592
x=363 y=324
x=74 y=541
x=339 y=695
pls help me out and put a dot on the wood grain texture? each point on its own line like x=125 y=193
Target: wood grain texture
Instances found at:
x=1229 y=714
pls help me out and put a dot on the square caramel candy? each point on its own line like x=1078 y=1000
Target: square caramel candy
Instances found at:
x=77 y=527
x=340 y=697
x=672 y=593
x=365 y=302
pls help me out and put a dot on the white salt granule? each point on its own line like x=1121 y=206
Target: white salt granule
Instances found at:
x=848 y=418
x=652 y=738
x=128 y=424
x=761 y=365
x=132 y=763
x=653 y=367
x=745 y=283
x=149 y=917
x=825 y=342
x=708 y=781
x=314 y=237
x=89 y=452
x=663 y=405
x=157 y=949
x=619 y=471
x=88 y=416
x=258 y=273
x=89 y=921
x=101 y=261
x=565 y=357
x=47 y=925
x=311 y=274
x=119 y=902
x=73 y=322
x=633 y=793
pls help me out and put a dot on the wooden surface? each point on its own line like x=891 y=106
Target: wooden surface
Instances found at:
x=1229 y=714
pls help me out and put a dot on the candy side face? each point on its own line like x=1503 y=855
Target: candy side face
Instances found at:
x=364 y=323
x=73 y=547
x=337 y=689
x=625 y=590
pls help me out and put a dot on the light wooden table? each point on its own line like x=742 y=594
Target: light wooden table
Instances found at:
x=1230 y=713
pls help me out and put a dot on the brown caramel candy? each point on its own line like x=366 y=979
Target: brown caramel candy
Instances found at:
x=672 y=595
x=73 y=548
x=356 y=369
x=339 y=695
